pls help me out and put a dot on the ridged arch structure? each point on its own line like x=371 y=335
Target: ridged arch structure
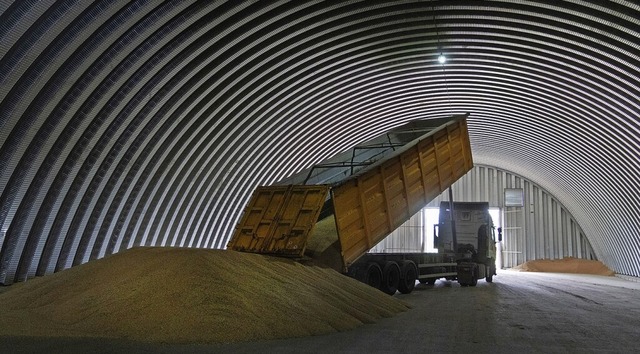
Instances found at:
x=126 y=123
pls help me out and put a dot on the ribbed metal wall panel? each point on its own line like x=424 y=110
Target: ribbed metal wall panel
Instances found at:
x=409 y=237
x=140 y=122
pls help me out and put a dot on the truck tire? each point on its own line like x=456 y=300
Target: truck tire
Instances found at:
x=408 y=276
x=491 y=271
x=373 y=275
x=474 y=278
x=390 y=277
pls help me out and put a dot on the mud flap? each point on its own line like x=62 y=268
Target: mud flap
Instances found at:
x=467 y=273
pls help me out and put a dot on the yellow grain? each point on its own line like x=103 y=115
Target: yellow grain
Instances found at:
x=179 y=295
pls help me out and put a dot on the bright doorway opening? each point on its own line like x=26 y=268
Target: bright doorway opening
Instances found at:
x=430 y=216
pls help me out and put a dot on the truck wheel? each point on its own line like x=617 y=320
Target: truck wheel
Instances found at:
x=373 y=275
x=408 y=275
x=474 y=276
x=390 y=277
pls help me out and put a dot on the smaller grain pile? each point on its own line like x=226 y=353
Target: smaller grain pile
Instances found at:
x=178 y=295
x=566 y=265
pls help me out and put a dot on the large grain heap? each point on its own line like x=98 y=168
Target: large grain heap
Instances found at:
x=191 y=295
x=566 y=265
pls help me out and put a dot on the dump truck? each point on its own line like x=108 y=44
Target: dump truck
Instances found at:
x=334 y=212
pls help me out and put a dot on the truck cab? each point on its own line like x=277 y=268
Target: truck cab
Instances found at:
x=466 y=231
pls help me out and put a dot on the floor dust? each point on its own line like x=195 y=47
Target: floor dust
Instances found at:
x=178 y=295
x=566 y=265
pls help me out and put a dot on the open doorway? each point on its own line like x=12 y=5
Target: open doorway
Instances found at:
x=431 y=218
x=496 y=216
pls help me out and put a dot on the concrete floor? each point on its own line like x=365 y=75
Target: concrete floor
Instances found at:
x=518 y=313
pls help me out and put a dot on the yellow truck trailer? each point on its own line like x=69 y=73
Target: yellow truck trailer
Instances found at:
x=337 y=210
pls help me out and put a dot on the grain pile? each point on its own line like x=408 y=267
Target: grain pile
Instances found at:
x=566 y=265
x=178 y=295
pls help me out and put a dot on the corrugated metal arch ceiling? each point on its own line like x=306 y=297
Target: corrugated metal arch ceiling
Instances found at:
x=130 y=123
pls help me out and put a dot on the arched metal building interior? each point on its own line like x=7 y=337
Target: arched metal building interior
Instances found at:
x=133 y=123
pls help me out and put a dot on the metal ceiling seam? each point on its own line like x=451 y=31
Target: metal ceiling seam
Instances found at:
x=21 y=236
x=101 y=161
x=549 y=58
x=535 y=153
x=625 y=145
x=23 y=62
x=582 y=55
x=15 y=19
x=142 y=169
x=630 y=5
x=616 y=109
x=584 y=25
x=120 y=236
x=67 y=145
x=5 y=4
x=73 y=247
x=396 y=86
x=13 y=61
x=41 y=236
x=262 y=95
x=615 y=14
x=529 y=70
x=14 y=104
x=604 y=158
x=566 y=189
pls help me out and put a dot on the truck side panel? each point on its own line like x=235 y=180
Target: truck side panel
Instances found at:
x=370 y=206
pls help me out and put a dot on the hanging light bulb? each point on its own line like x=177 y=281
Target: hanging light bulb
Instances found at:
x=442 y=59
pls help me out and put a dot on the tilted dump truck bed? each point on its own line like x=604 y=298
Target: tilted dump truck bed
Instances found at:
x=340 y=218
